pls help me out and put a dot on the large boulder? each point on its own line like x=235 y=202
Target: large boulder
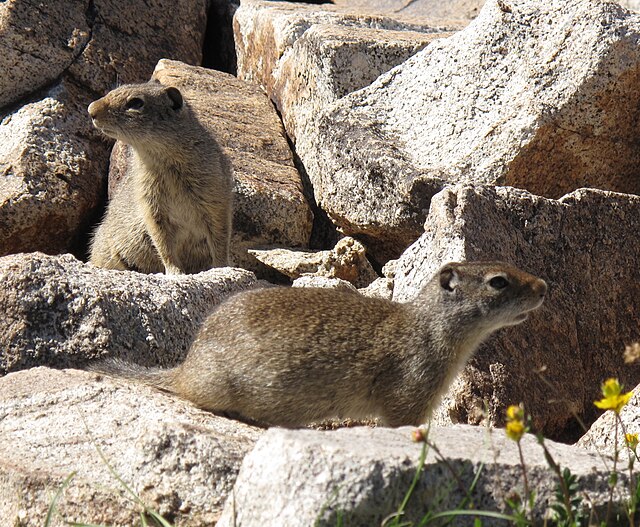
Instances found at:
x=584 y=245
x=306 y=57
x=38 y=44
x=360 y=476
x=180 y=461
x=51 y=165
x=512 y=99
x=97 y=43
x=125 y=48
x=55 y=58
x=57 y=311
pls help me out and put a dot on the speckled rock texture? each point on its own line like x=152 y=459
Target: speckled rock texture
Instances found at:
x=180 y=461
x=324 y=282
x=455 y=9
x=57 y=311
x=584 y=245
x=51 y=167
x=379 y=288
x=55 y=58
x=306 y=56
x=347 y=261
x=633 y=5
x=43 y=42
x=512 y=99
x=361 y=475
x=270 y=206
x=93 y=41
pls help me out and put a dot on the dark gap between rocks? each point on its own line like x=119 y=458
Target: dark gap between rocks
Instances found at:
x=218 y=49
x=324 y=234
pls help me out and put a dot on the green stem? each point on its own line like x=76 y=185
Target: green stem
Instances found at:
x=566 y=495
x=633 y=494
x=613 y=473
x=525 y=482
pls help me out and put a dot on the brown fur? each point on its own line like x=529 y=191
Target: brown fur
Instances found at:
x=290 y=357
x=172 y=212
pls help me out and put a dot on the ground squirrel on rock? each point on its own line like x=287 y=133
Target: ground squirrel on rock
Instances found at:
x=290 y=357
x=172 y=212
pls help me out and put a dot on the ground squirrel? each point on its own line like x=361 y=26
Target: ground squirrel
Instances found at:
x=172 y=212
x=290 y=357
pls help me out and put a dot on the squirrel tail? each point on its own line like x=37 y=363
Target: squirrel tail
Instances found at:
x=156 y=377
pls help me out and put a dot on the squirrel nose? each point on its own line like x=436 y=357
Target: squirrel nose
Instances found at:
x=540 y=287
x=93 y=109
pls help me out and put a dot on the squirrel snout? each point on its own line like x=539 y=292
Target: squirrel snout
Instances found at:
x=540 y=288
x=94 y=109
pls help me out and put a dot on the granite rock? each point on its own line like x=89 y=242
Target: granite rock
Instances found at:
x=51 y=162
x=180 y=461
x=454 y=9
x=359 y=476
x=306 y=57
x=347 y=261
x=323 y=282
x=60 y=312
x=601 y=436
x=512 y=99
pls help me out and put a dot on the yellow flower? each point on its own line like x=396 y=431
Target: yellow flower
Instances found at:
x=613 y=398
x=515 y=412
x=631 y=440
x=515 y=430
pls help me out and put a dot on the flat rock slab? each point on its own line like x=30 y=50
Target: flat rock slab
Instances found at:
x=512 y=99
x=270 y=207
x=307 y=56
x=585 y=246
x=179 y=460
x=359 y=476
x=458 y=9
x=346 y=261
x=57 y=311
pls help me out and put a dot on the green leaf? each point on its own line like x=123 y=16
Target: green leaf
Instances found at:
x=485 y=514
x=54 y=502
x=398 y=514
x=159 y=518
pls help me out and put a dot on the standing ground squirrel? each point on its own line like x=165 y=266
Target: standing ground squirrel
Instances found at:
x=290 y=357
x=173 y=209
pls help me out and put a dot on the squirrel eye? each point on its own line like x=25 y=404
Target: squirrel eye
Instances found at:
x=498 y=282
x=135 y=103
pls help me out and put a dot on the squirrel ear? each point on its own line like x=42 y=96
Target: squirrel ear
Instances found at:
x=449 y=278
x=175 y=96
